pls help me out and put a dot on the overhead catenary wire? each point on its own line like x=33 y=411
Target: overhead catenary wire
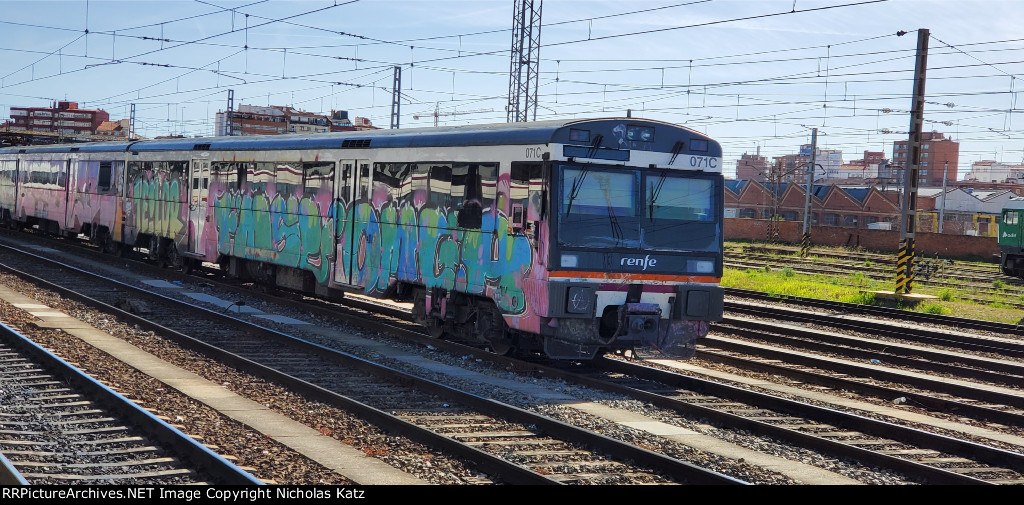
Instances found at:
x=750 y=99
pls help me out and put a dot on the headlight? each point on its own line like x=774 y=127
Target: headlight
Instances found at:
x=700 y=266
x=569 y=260
x=579 y=300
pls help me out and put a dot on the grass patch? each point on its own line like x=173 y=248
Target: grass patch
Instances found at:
x=934 y=308
x=781 y=282
x=954 y=298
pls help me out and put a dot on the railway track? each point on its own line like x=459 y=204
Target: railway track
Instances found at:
x=932 y=457
x=1009 y=298
x=60 y=427
x=987 y=271
x=519 y=446
x=1009 y=345
x=844 y=309
x=945 y=394
x=982 y=278
x=882 y=445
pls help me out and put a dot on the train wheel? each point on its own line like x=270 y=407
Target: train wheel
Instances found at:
x=108 y=245
x=434 y=326
x=173 y=257
x=502 y=347
x=112 y=247
x=155 y=253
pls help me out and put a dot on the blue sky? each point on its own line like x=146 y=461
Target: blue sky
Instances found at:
x=752 y=74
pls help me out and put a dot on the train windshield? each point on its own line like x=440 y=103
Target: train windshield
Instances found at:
x=599 y=208
x=630 y=208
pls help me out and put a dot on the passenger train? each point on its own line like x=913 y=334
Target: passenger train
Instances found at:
x=565 y=237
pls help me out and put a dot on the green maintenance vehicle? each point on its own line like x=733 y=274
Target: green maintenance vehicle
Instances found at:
x=1011 y=238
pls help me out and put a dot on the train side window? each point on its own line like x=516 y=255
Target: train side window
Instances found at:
x=418 y=190
x=363 y=182
x=287 y=174
x=176 y=171
x=103 y=181
x=1011 y=217
x=240 y=178
x=134 y=170
x=488 y=173
x=441 y=184
x=474 y=186
x=256 y=179
x=317 y=175
x=527 y=188
x=346 y=181
x=393 y=178
x=7 y=172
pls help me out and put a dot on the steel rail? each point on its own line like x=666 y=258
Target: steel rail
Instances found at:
x=679 y=469
x=168 y=436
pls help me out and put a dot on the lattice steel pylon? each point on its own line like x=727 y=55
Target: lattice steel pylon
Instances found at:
x=396 y=95
x=525 y=61
x=229 y=129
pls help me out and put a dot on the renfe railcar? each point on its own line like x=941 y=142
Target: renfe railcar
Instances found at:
x=566 y=237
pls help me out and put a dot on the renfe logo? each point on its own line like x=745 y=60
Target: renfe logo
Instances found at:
x=639 y=262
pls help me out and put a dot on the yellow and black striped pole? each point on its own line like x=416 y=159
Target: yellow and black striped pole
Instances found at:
x=905 y=267
x=805 y=244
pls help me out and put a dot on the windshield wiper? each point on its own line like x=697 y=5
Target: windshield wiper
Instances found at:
x=655 y=192
x=577 y=184
x=614 y=225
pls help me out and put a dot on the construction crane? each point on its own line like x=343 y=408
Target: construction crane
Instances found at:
x=437 y=113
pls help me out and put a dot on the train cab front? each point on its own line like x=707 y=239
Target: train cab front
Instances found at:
x=635 y=261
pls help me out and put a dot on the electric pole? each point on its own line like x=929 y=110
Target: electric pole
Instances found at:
x=942 y=210
x=524 y=72
x=805 y=240
x=905 y=259
x=228 y=115
x=396 y=91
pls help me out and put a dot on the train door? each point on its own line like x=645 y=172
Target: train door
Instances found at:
x=18 y=183
x=199 y=190
x=343 y=204
x=353 y=188
x=69 y=181
x=8 y=190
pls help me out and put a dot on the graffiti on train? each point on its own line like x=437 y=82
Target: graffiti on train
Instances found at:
x=154 y=204
x=280 y=229
x=376 y=246
x=426 y=246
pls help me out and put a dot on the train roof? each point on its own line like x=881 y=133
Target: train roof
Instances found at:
x=84 y=147
x=527 y=133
